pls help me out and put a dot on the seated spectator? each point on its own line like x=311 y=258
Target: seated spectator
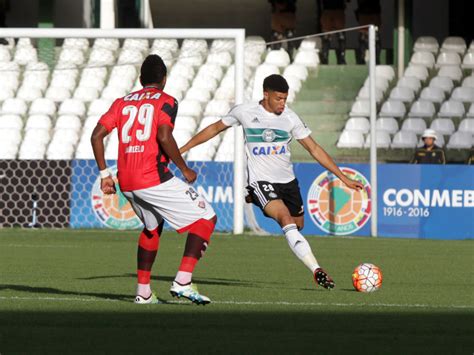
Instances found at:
x=430 y=153
x=283 y=22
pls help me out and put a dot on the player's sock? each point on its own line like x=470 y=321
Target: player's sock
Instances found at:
x=196 y=244
x=300 y=246
x=148 y=244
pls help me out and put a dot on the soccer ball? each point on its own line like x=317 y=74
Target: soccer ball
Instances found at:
x=367 y=278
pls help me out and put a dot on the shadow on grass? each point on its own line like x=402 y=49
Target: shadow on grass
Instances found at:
x=238 y=331
x=164 y=278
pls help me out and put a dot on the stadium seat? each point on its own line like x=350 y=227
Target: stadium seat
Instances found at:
x=255 y=44
x=403 y=94
x=293 y=82
x=426 y=44
x=101 y=57
x=181 y=137
x=110 y=44
x=58 y=94
x=310 y=43
x=130 y=56
x=383 y=140
x=86 y=94
x=468 y=82
x=380 y=83
x=167 y=44
x=94 y=72
x=415 y=125
x=468 y=61
x=190 y=108
x=60 y=152
x=5 y=55
x=66 y=136
x=307 y=58
x=195 y=45
x=165 y=54
x=296 y=70
x=387 y=124
x=385 y=71
x=393 y=108
x=443 y=83
x=448 y=58
x=138 y=44
x=409 y=82
x=97 y=82
x=72 y=107
x=211 y=70
x=223 y=59
x=278 y=57
x=25 y=55
x=463 y=94
x=470 y=113
x=11 y=122
x=208 y=83
x=454 y=44
x=191 y=57
x=351 y=139
x=63 y=81
x=417 y=71
x=217 y=108
x=68 y=122
x=73 y=56
x=38 y=122
x=432 y=94
x=201 y=95
x=185 y=123
x=29 y=93
x=222 y=45
x=113 y=92
x=364 y=94
x=460 y=140
x=99 y=107
x=452 y=72
x=404 y=140
x=78 y=43
x=422 y=108
x=34 y=82
x=443 y=126
x=91 y=122
x=10 y=137
x=14 y=106
x=6 y=93
x=224 y=93
x=42 y=106
x=467 y=125
x=357 y=124
x=425 y=59
x=360 y=108
x=36 y=136
x=451 y=109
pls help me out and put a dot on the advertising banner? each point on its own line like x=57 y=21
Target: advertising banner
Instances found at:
x=91 y=209
x=415 y=201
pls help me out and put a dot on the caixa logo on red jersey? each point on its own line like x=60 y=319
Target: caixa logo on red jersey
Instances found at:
x=114 y=211
x=335 y=208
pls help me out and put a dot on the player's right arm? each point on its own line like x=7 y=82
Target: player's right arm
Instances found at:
x=106 y=124
x=206 y=134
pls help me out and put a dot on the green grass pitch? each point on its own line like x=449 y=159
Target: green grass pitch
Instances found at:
x=64 y=291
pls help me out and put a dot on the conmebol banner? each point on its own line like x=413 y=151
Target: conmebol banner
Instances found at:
x=415 y=201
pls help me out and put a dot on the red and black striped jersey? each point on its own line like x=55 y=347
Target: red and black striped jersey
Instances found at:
x=137 y=116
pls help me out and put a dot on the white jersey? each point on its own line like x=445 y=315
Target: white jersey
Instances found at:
x=267 y=140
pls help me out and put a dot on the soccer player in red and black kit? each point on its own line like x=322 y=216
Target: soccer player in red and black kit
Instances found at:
x=144 y=120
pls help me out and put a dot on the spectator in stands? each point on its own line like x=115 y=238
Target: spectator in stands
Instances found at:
x=368 y=13
x=332 y=18
x=430 y=153
x=4 y=7
x=283 y=22
x=470 y=159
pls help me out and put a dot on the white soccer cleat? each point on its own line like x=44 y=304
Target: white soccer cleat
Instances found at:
x=190 y=292
x=150 y=300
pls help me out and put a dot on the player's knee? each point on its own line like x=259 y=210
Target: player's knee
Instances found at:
x=300 y=224
x=285 y=218
x=204 y=228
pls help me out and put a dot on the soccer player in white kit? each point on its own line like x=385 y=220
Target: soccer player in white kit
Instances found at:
x=269 y=126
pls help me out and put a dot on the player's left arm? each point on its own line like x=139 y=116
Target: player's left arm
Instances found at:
x=320 y=155
x=107 y=184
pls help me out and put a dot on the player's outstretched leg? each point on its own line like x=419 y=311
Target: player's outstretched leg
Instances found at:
x=196 y=244
x=148 y=244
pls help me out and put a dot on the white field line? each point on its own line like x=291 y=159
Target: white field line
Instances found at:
x=251 y=303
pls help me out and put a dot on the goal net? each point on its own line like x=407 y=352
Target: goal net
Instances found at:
x=56 y=83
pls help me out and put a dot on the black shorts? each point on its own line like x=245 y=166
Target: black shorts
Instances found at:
x=262 y=192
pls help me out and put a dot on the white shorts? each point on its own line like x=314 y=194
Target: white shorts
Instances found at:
x=174 y=201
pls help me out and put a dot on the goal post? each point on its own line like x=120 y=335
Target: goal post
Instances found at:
x=237 y=34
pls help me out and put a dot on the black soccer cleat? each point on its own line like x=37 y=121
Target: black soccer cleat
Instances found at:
x=323 y=279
